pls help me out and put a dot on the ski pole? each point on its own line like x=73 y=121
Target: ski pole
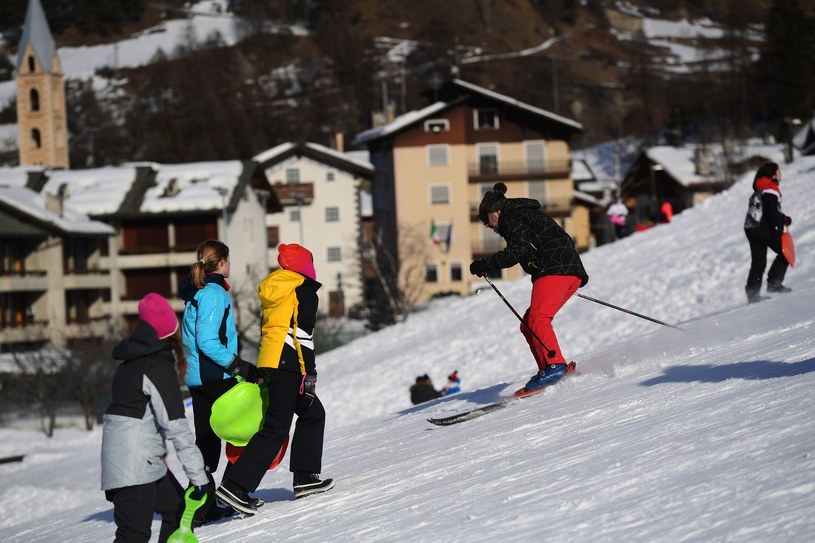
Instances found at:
x=624 y=310
x=549 y=353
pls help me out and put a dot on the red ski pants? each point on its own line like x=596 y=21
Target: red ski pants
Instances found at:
x=549 y=293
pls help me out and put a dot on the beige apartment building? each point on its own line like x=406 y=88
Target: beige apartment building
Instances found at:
x=432 y=167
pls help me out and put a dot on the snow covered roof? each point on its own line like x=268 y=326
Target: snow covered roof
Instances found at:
x=192 y=186
x=33 y=205
x=517 y=103
x=356 y=160
x=680 y=162
x=97 y=191
x=412 y=117
x=399 y=123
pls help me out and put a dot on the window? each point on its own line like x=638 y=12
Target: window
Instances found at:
x=535 y=152
x=329 y=176
x=431 y=273
x=31 y=64
x=36 y=138
x=34 y=96
x=294 y=215
x=436 y=125
x=439 y=194
x=272 y=236
x=334 y=254
x=292 y=175
x=332 y=214
x=437 y=155
x=455 y=272
x=487 y=158
x=485 y=119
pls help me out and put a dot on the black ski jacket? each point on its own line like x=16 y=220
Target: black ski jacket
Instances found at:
x=536 y=242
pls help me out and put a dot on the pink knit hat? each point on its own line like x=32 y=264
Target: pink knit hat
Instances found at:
x=296 y=258
x=155 y=310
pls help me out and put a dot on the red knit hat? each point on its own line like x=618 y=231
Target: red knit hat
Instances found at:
x=155 y=310
x=296 y=258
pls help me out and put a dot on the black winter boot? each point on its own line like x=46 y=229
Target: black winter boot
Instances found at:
x=232 y=494
x=777 y=287
x=753 y=296
x=309 y=483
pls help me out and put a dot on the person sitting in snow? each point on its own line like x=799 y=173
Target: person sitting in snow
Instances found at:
x=424 y=391
x=453 y=384
x=145 y=410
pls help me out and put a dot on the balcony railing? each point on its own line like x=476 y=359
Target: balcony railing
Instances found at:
x=291 y=194
x=487 y=170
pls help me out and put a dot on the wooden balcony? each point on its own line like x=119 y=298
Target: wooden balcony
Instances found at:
x=491 y=171
x=291 y=194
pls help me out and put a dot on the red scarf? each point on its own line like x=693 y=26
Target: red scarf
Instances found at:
x=766 y=183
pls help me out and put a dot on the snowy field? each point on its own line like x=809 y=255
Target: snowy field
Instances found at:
x=703 y=435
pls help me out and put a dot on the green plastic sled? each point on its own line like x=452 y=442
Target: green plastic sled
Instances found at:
x=184 y=532
x=238 y=414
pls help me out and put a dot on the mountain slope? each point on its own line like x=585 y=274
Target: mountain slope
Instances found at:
x=703 y=435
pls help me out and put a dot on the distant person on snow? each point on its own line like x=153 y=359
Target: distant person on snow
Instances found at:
x=547 y=253
x=424 y=391
x=618 y=216
x=763 y=227
x=146 y=409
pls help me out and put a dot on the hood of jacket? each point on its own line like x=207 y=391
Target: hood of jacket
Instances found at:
x=143 y=342
x=187 y=289
x=765 y=183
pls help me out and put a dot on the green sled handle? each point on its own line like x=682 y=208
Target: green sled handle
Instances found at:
x=184 y=532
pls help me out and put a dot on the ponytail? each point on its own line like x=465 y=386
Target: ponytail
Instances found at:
x=209 y=254
x=180 y=359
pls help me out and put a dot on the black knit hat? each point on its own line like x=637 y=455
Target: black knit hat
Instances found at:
x=493 y=200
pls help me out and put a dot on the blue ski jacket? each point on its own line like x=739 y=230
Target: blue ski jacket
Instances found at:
x=208 y=331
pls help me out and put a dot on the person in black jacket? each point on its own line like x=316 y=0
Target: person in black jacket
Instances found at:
x=547 y=253
x=147 y=408
x=763 y=227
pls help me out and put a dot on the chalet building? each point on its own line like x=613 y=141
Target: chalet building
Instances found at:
x=320 y=190
x=432 y=167
x=54 y=288
x=685 y=176
x=153 y=217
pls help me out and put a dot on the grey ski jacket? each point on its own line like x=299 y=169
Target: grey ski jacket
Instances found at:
x=146 y=408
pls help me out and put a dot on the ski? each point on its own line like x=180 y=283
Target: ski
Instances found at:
x=489 y=408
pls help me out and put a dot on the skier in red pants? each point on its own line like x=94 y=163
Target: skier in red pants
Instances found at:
x=547 y=253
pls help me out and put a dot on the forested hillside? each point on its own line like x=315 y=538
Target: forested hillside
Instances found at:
x=305 y=69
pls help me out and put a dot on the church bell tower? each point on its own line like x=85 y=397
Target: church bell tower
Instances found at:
x=41 y=116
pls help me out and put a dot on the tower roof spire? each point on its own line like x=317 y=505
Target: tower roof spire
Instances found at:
x=37 y=33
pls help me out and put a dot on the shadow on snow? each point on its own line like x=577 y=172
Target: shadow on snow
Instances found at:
x=758 y=369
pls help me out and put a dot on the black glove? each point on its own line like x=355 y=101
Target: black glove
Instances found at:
x=245 y=369
x=310 y=385
x=787 y=220
x=199 y=492
x=479 y=267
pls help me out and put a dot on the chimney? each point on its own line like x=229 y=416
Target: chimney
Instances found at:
x=54 y=202
x=701 y=158
x=339 y=142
